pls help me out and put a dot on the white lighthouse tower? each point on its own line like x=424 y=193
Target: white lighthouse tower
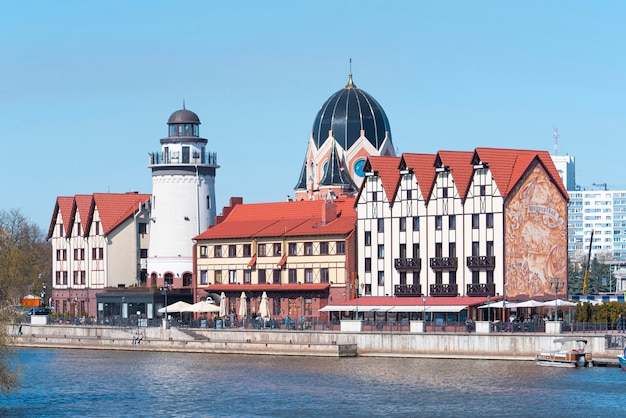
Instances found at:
x=183 y=200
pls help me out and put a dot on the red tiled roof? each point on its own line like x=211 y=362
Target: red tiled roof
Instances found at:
x=296 y=218
x=507 y=166
x=423 y=166
x=114 y=208
x=460 y=165
x=85 y=205
x=64 y=205
x=388 y=172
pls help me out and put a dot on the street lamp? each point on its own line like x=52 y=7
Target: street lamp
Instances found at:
x=164 y=291
x=122 y=315
x=424 y=311
x=489 y=310
x=555 y=284
x=356 y=292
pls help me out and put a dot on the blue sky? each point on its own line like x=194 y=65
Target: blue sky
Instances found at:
x=87 y=86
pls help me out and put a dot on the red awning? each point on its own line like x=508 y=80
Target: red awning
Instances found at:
x=253 y=261
x=282 y=261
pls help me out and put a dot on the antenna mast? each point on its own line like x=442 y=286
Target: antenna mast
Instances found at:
x=556 y=141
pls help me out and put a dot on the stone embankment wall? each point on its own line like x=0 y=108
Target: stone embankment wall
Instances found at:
x=315 y=343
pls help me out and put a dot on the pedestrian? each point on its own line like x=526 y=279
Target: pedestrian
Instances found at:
x=469 y=324
x=19 y=332
x=620 y=323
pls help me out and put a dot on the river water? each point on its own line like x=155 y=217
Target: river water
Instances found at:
x=71 y=383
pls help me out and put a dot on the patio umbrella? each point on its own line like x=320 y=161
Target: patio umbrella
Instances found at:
x=243 y=305
x=530 y=304
x=499 y=304
x=222 y=310
x=202 y=306
x=558 y=302
x=264 y=306
x=175 y=307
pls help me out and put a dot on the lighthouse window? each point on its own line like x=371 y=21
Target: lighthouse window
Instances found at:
x=180 y=130
x=188 y=129
x=195 y=130
x=186 y=155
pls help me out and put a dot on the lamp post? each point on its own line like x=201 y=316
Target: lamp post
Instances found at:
x=356 y=292
x=556 y=283
x=489 y=310
x=164 y=291
x=122 y=309
x=424 y=311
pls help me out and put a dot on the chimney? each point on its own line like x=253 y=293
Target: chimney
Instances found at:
x=329 y=211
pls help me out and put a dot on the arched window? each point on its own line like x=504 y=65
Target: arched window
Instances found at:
x=187 y=280
x=168 y=279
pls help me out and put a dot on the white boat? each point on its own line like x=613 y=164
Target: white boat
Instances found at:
x=566 y=355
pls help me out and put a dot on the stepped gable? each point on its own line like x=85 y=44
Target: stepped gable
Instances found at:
x=460 y=165
x=423 y=166
x=507 y=166
x=115 y=208
x=85 y=206
x=278 y=219
x=388 y=169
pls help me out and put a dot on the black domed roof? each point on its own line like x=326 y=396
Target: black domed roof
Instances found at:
x=346 y=113
x=183 y=116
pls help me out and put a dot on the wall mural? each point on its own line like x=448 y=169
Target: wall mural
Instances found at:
x=535 y=238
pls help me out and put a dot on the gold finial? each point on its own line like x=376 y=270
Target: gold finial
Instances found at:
x=350 y=84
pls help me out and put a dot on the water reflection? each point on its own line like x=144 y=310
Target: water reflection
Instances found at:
x=106 y=383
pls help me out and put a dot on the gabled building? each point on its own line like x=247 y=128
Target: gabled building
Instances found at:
x=492 y=222
x=301 y=253
x=98 y=241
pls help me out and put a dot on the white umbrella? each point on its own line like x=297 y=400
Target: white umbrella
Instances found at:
x=558 y=302
x=202 y=306
x=530 y=304
x=243 y=305
x=499 y=304
x=179 y=306
x=264 y=307
x=222 y=310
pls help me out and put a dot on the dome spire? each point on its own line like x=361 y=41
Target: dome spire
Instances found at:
x=350 y=84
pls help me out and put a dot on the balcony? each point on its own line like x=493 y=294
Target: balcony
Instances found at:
x=438 y=290
x=443 y=263
x=407 y=290
x=408 y=264
x=483 y=262
x=172 y=158
x=481 y=289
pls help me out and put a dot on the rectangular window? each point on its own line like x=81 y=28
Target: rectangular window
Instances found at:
x=403 y=251
x=368 y=238
x=60 y=230
x=218 y=276
x=475 y=221
x=490 y=276
x=247 y=276
x=277 y=249
x=97 y=228
x=203 y=251
x=308 y=275
x=368 y=265
x=76 y=277
x=185 y=155
x=475 y=277
x=232 y=276
x=232 y=251
x=61 y=255
x=276 y=276
x=452 y=277
x=341 y=247
x=293 y=276
x=368 y=289
x=374 y=196
x=381 y=278
x=438 y=250
x=324 y=248
x=403 y=277
x=293 y=248
x=416 y=223
x=438 y=277
x=444 y=192
x=324 y=275
x=416 y=250
x=143 y=253
x=483 y=190
x=262 y=277
x=143 y=228
x=452 y=221
x=452 y=249
x=409 y=194
x=381 y=251
x=438 y=222
x=97 y=253
x=475 y=249
x=402 y=224
x=261 y=250
x=58 y=277
x=79 y=254
x=217 y=251
x=247 y=250
x=490 y=251
x=308 y=248
x=490 y=220
x=381 y=225
x=204 y=277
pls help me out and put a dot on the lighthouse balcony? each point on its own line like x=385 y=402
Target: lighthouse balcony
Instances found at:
x=174 y=158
